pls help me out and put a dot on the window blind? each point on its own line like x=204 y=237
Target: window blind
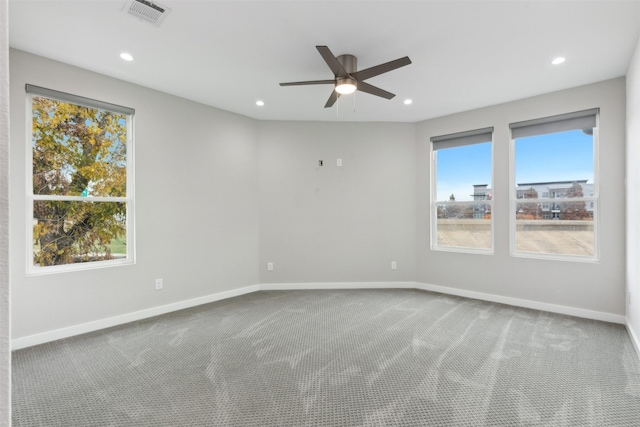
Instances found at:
x=586 y=119
x=79 y=100
x=459 y=139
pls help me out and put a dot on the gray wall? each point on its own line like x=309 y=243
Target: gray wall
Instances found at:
x=219 y=195
x=633 y=194
x=337 y=224
x=196 y=205
x=589 y=286
x=5 y=356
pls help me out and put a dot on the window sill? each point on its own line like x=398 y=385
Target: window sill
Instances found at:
x=81 y=266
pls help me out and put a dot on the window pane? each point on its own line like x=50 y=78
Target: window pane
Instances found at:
x=77 y=151
x=555 y=157
x=462 y=182
x=68 y=232
x=550 y=169
x=464 y=226
x=459 y=169
x=564 y=228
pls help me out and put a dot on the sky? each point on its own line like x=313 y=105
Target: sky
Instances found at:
x=564 y=156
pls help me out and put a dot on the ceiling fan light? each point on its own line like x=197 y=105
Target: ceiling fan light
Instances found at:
x=346 y=86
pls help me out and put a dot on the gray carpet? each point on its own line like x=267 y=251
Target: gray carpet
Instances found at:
x=335 y=358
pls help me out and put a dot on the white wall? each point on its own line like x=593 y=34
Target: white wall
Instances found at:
x=337 y=224
x=595 y=287
x=633 y=196
x=5 y=356
x=196 y=205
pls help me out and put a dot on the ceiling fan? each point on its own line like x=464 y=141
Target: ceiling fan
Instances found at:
x=347 y=79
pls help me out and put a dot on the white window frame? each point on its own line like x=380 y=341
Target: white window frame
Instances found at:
x=31 y=269
x=435 y=203
x=513 y=200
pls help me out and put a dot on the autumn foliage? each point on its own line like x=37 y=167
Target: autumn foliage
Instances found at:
x=79 y=153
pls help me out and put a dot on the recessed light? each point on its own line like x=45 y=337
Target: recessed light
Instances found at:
x=126 y=56
x=558 y=60
x=260 y=103
x=408 y=102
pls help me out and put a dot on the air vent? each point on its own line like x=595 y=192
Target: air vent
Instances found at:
x=149 y=11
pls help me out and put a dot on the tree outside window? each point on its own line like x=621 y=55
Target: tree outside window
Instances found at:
x=79 y=183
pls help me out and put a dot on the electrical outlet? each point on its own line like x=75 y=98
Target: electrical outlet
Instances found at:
x=269 y=266
x=394 y=265
x=339 y=163
x=159 y=284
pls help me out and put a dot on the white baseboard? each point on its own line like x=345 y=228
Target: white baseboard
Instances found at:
x=634 y=339
x=536 y=305
x=70 y=331
x=337 y=285
x=96 y=325
x=553 y=308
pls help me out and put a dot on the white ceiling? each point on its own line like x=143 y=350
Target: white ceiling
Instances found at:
x=228 y=54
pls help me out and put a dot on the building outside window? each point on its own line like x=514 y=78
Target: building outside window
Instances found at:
x=554 y=198
x=461 y=217
x=81 y=182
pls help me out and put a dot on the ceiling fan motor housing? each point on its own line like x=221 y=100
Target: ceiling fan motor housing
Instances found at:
x=347 y=84
x=348 y=62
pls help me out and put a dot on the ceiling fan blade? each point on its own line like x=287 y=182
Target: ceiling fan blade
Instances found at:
x=336 y=67
x=373 y=90
x=379 y=69
x=332 y=99
x=310 y=82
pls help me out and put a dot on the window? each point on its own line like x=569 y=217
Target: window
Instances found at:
x=80 y=185
x=555 y=157
x=461 y=195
